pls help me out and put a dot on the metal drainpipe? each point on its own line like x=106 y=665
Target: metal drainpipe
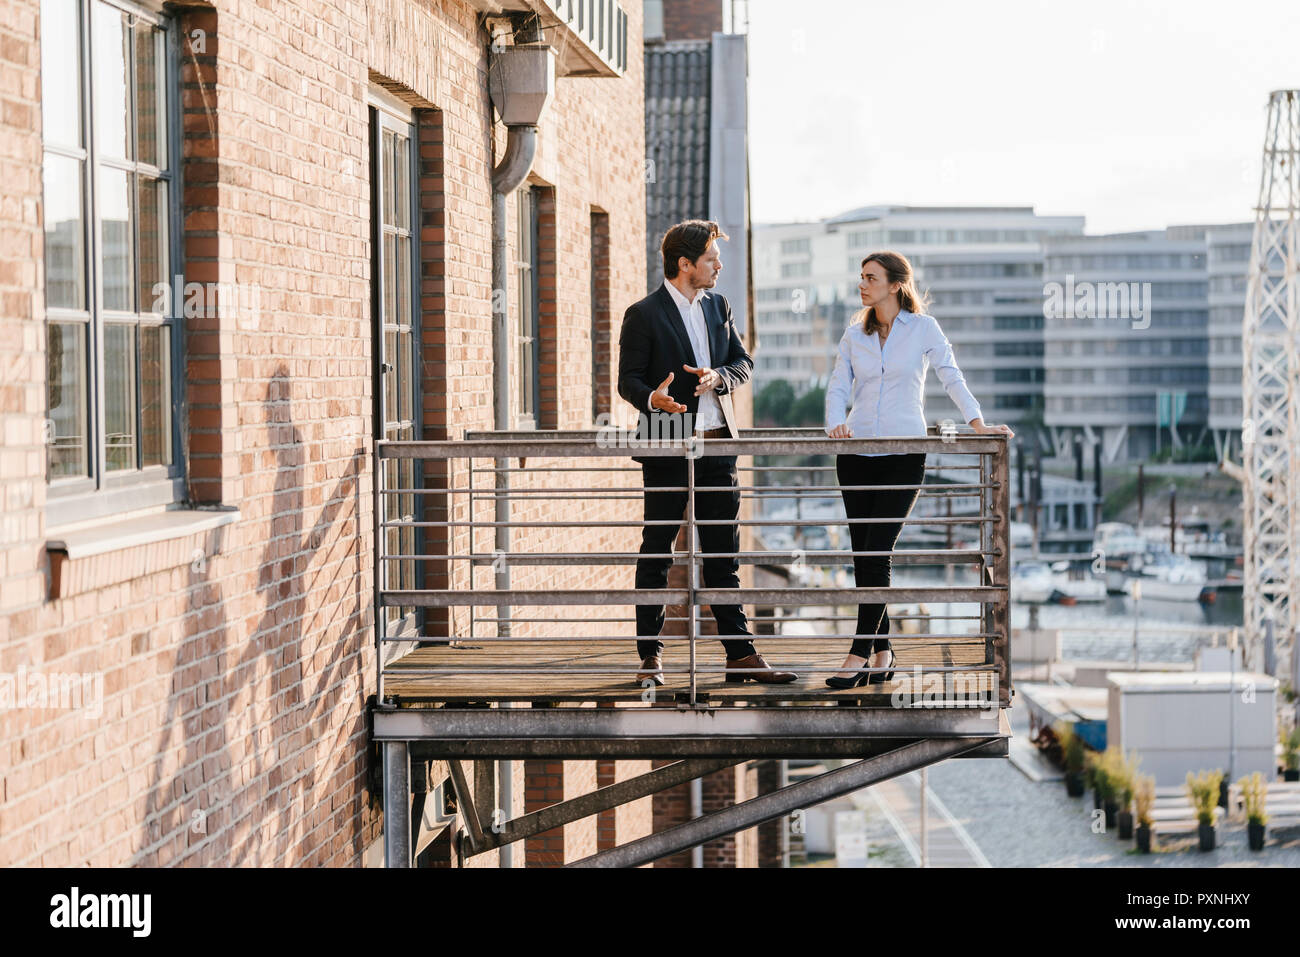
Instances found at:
x=697 y=808
x=521 y=147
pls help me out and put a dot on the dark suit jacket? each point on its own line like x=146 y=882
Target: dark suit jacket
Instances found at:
x=654 y=342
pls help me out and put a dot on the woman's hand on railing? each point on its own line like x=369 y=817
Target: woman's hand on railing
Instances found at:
x=841 y=431
x=982 y=429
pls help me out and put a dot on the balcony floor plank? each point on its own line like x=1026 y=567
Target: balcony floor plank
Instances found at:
x=619 y=662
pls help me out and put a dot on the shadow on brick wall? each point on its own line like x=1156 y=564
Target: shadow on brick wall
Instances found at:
x=281 y=782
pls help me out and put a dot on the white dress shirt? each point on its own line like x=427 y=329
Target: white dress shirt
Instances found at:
x=709 y=413
x=887 y=385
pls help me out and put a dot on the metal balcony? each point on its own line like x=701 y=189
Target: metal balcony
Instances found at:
x=489 y=670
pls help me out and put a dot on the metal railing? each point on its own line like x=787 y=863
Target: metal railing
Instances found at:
x=440 y=523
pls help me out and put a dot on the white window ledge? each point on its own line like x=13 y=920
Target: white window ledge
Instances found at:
x=95 y=556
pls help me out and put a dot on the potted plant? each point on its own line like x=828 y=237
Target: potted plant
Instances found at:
x=1072 y=752
x=1144 y=799
x=1091 y=773
x=1124 y=773
x=1291 y=754
x=1106 y=781
x=1203 y=790
x=1254 y=792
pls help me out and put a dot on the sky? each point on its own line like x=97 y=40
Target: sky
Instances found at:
x=1137 y=115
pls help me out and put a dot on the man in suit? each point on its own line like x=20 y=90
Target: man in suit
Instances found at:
x=680 y=356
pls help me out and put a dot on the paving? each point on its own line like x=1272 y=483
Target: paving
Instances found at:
x=1018 y=822
x=1013 y=820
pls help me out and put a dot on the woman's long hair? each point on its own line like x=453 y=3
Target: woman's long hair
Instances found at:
x=897 y=269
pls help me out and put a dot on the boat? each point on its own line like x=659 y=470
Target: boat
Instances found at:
x=1064 y=582
x=1118 y=550
x=1169 y=577
x=1117 y=540
x=1075 y=581
x=1031 y=582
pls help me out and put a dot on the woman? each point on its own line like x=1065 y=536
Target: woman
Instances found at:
x=883 y=357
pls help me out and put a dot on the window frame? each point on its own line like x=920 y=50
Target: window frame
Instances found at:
x=388 y=113
x=529 y=195
x=101 y=493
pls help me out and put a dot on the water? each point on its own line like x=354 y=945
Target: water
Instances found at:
x=1168 y=631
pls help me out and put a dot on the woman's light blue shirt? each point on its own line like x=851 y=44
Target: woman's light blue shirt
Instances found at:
x=887 y=387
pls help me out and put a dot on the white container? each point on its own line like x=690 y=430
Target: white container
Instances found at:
x=1191 y=721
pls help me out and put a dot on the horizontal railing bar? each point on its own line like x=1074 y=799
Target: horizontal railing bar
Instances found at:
x=769 y=491
x=632 y=668
x=911 y=557
x=463 y=640
x=432 y=598
x=831 y=468
x=919 y=520
x=488 y=470
x=752 y=433
x=492 y=619
x=622 y=446
x=937 y=520
x=953 y=637
x=892 y=617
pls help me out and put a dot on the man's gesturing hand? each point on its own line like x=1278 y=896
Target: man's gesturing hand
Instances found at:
x=709 y=379
x=660 y=399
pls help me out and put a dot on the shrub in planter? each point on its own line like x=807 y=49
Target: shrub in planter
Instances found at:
x=1109 y=776
x=1291 y=754
x=1124 y=825
x=1072 y=752
x=1254 y=793
x=1203 y=790
x=1091 y=773
x=1144 y=799
x=1122 y=770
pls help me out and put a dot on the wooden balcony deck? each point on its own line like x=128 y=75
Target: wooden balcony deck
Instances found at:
x=542 y=672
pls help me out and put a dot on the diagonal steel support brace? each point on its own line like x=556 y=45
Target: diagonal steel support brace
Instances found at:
x=468 y=812
x=749 y=813
x=599 y=800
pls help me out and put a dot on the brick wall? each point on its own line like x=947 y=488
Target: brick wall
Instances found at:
x=719 y=790
x=692 y=19
x=22 y=311
x=236 y=664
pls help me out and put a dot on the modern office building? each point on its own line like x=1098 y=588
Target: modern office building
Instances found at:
x=1125 y=326
x=1227 y=264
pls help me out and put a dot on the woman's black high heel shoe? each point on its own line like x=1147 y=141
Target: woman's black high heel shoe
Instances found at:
x=843 y=684
x=881 y=677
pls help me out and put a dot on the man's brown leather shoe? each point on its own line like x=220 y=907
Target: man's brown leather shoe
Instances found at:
x=768 y=675
x=650 y=669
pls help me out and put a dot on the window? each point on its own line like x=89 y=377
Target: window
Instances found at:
x=527 y=392
x=795 y=247
x=1017 y=322
x=396 y=323
x=110 y=195
x=601 y=330
x=864 y=238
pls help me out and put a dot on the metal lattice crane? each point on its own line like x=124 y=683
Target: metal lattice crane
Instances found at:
x=1271 y=378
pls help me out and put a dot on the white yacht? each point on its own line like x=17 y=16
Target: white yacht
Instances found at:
x=1169 y=577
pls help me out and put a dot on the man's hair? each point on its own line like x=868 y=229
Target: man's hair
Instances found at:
x=688 y=239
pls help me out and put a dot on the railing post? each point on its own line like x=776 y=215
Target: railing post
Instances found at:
x=691 y=583
x=1002 y=567
x=501 y=514
x=985 y=571
x=377 y=546
x=451 y=538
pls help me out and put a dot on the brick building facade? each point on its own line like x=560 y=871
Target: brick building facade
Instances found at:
x=187 y=489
